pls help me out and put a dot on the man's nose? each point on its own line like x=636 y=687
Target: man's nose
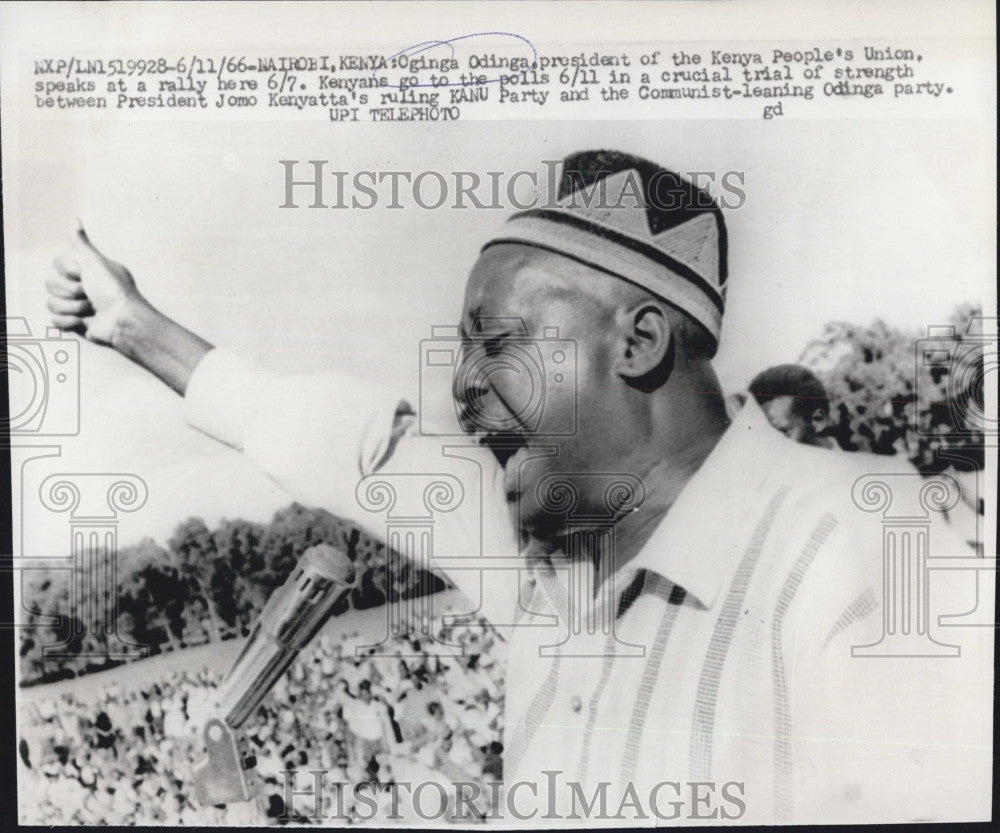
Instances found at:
x=469 y=393
x=480 y=406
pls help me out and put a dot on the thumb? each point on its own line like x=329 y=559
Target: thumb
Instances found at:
x=81 y=236
x=85 y=247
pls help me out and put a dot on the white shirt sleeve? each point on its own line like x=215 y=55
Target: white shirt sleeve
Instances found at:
x=352 y=448
x=316 y=435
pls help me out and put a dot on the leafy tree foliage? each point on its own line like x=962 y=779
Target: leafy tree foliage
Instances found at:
x=206 y=584
x=908 y=392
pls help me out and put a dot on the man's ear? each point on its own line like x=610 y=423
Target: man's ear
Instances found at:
x=646 y=345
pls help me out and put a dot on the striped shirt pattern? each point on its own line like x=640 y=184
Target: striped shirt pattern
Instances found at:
x=720 y=653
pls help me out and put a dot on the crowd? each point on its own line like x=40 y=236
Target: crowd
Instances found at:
x=797 y=404
x=400 y=711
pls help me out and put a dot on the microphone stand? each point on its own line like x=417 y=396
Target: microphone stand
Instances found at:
x=317 y=588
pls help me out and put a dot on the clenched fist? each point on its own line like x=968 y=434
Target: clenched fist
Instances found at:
x=89 y=293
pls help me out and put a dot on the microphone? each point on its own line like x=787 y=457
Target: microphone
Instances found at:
x=316 y=589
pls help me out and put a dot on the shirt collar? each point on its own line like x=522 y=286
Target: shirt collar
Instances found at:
x=696 y=544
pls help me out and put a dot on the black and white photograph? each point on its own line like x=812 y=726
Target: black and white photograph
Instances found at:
x=527 y=415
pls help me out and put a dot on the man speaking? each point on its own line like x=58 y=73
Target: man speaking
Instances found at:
x=693 y=608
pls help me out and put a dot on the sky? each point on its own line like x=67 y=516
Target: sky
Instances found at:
x=843 y=220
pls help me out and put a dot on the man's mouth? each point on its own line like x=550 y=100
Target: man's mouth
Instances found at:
x=503 y=444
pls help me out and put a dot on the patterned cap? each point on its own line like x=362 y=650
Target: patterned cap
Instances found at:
x=636 y=221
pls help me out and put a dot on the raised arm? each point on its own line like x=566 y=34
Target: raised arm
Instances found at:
x=316 y=435
x=98 y=298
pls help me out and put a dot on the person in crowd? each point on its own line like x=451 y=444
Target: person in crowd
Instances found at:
x=368 y=726
x=734 y=402
x=795 y=402
x=143 y=777
x=722 y=531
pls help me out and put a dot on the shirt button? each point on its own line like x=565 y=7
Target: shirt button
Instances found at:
x=576 y=703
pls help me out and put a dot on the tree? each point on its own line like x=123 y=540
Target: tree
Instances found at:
x=226 y=573
x=144 y=591
x=888 y=397
x=195 y=555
